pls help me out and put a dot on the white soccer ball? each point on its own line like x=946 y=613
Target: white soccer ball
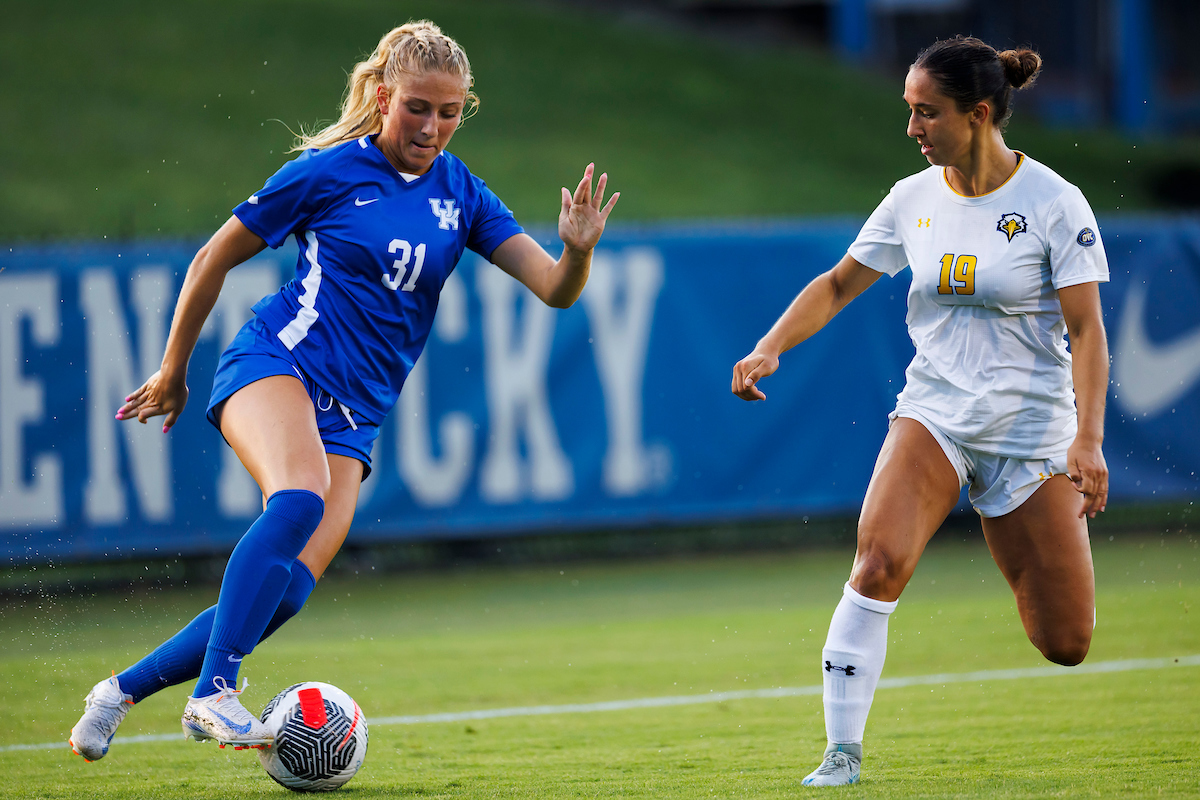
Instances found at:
x=320 y=737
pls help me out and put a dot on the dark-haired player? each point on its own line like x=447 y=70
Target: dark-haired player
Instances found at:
x=1006 y=258
x=381 y=214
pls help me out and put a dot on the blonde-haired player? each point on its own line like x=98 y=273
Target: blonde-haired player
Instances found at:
x=381 y=213
x=1006 y=258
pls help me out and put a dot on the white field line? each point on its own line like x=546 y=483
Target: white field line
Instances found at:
x=982 y=676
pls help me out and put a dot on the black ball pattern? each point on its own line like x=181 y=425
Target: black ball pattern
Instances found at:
x=266 y=712
x=313 y=753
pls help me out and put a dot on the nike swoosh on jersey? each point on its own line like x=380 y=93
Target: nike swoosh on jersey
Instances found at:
x=358 y=202
x=239 y=729
x=1151 y=377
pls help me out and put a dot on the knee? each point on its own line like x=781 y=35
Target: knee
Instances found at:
x=311 y=477
x=879 y=574
x=1067 y=647
x=318 y=483
x=315 y=481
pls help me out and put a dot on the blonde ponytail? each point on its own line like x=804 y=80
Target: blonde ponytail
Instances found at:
x=416 y=48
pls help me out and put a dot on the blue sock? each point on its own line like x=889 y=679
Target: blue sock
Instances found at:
x=297 y=593
x=180 y=658
x=256 y=577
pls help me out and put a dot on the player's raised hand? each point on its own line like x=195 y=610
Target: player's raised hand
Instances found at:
x=155 y=397
x=1088 y=470
x=747 y=372
x=583 y=214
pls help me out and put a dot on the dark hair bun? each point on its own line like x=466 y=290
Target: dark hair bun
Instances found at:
x=1020 y=66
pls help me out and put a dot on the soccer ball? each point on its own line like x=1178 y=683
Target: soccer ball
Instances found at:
x=320 y=737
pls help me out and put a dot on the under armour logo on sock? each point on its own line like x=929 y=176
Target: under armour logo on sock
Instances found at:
x=848 y=669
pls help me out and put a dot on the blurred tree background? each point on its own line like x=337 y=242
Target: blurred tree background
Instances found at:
x=144 y=120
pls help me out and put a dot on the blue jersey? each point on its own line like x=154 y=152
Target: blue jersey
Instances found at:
x=375 y=250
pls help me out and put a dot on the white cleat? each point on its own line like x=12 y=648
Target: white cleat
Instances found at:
x=839 y=768
x=222 y=717
x=104 y=709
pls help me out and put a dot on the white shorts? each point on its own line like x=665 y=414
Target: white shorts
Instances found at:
x=999 y=484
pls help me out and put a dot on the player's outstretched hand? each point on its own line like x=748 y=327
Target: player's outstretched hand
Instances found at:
x=583 y=214
x=1088 y=471
x=747 y=372
x=156 y=397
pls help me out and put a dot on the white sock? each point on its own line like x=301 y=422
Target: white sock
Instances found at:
x=852 y=662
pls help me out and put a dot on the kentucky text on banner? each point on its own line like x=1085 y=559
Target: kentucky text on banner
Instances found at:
x=616 y=412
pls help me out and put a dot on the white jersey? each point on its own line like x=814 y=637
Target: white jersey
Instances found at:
x=992 y=368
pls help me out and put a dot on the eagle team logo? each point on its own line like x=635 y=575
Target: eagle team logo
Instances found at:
x=446 y=213
x=1011 y=224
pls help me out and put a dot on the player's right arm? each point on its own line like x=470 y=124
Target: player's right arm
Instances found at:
x=812 y=309
x=166 y=392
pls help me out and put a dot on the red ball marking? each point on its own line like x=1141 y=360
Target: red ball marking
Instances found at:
x=312 y=707
x=353 y=725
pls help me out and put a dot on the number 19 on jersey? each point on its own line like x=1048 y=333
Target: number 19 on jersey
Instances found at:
x=961 y=271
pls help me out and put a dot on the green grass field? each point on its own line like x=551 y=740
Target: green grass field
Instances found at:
x=503 y=637
x=134 y=119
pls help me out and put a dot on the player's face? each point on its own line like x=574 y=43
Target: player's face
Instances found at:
x=943 y=132
x=419 y=117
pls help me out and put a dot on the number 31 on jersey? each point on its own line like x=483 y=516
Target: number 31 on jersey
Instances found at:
x=958 y=275
x=400 y=265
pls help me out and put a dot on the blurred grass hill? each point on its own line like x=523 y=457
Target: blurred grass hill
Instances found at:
x=136 y=119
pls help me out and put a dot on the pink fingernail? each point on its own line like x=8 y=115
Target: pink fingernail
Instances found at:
x=118 y=415
x=165 y=429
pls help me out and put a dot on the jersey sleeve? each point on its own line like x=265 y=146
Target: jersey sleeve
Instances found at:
x=287 y=202
x=1073 y=240
x=878 y=245
x=491 y=224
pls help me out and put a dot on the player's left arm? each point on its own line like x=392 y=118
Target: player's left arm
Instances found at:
x=580 y=223
x=1089 y=369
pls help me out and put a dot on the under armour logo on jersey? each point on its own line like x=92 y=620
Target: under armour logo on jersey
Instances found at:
x=1011 y=224
x=923 y=222
x=848 y=669
x=447 y=214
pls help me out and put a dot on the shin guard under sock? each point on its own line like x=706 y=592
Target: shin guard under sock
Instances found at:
x=180 y=658
x=256 y=577
x=852 y=662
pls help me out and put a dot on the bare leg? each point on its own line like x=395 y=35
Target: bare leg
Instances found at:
x=272 y=427
x=1042 y=549
x=911 y=492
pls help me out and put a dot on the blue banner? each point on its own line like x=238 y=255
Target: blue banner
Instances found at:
x=615 y=412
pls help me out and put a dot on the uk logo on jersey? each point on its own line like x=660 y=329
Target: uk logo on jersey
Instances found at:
x=1011 y=224
x=446 y=213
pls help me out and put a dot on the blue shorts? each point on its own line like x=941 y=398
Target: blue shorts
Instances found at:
x=256 y=353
